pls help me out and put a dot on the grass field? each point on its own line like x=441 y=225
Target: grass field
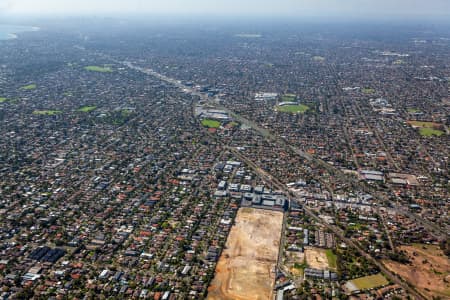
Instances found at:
x=368 y=91
x=210 y=123
x=301 y=108
x=29 y=87
x=430 y=132
x=3 y=99
x=46 y=112
x=370 y=282
x=319 y=58
x=98 y=69
x=332 y=259
x=427 y=128
x=86 y=109
x=413 y=110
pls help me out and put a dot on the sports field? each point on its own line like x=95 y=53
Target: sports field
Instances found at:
x=98 y=69
x=427 y=128
x=210 y=123
x=294 y=109
x=29 y=87
x=370 y=282
x=46 y=112
x=319 y=58
x=368 y=91
x=413 y=110
x=87 y=108
x=430 y=132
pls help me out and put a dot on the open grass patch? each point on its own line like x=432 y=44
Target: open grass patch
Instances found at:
x=332 y=259
x=413 y=110
x=319 y=58
x=301 y=108
x=427 y=128
x=125 y=113
x=370 y=282
x=46 y=112
x=368 y=91
x=87 y=109
x=29 y=87
x=3 y=99
x=98 y=69
x=430 y=132
x=210 y=123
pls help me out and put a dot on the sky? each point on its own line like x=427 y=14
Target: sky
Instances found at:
x=292 y=8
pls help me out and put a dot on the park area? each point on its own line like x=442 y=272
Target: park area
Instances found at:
x=366 y=283
x=98 y=69
x=46 y=112
x=427 y=128
x=87 y=109
x=245 y=268
x=368 y=91
x=210 y=123
x=29 y=87
x=293 y=109
x=429 y=269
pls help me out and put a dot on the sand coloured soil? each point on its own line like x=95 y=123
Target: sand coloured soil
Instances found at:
x=316 y=258
x=245 y=268
x=429 y=272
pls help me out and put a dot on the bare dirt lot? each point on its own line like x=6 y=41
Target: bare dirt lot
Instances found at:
x=316 y=258
x=245 y=269
x=429 y=270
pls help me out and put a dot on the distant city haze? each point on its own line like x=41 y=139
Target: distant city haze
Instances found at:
x=275 y=8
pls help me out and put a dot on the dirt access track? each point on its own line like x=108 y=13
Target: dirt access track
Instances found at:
x=245 y=269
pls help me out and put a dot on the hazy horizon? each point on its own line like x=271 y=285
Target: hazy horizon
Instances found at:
x=347 y=9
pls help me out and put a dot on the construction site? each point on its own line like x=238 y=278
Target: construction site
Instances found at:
x=246 y=267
